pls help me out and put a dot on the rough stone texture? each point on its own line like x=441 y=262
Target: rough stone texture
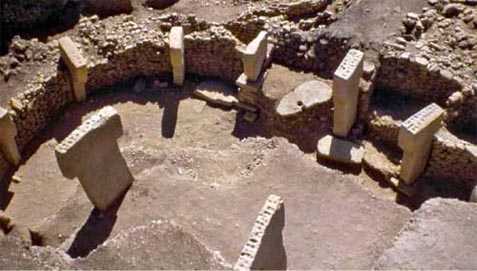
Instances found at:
x=38 y=105
x=379 y=163
x=264 y=249
x=91 y=153
x=413 y=76
x=440 y=235
x=159 y=245
x=452 y=159
x=339 y=150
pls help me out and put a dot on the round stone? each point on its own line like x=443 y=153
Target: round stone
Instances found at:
x=306 y=96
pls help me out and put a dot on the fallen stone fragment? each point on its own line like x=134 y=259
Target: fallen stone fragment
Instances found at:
x=306 y=96
x=216 y=92
x=335 y=149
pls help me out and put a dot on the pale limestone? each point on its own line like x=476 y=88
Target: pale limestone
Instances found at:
x=176 y=45
x=264 y=249
x=415 y=139
x=252 y=86
x=254 y=56
x=339 y=150
x=77 y=66
x=91 y=154
x=8 y=132
x=346 y=92
x=306 y=96
x=216 y=92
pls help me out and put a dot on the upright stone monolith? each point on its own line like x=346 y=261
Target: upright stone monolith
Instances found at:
x=264 y=249
x=77 y=66
x=254 y=56
x=91 y=153
x=415 y=139
x=176 y=45
x=346 y=92
x=8 y=132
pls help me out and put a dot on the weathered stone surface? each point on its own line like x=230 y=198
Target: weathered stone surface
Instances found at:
x=254 y=56
x=91 y=154
x=379 y=163
x=77 y=66
x=339 y=150
x=8 y=132
x=473 y=195
x=216 y=92
x=440 y=235
x=415 y=138
x=306 y=96
x=176 y=46
x=264 y=249
x=158 y=245
x=346 y=92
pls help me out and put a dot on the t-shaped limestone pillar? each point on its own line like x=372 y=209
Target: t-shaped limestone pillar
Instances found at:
x=91 y=154
x=346 y=92
x=415 y=139
x=77 y=66
x=8 y=131
x=254 y=56
x=176 y=44
x=264 y=249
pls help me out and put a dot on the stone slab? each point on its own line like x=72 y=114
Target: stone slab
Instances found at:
x=176 y=46
x=440 y=235
x=8 y=132
x=91 y=154
x=77 y=66
x=306 y=96
x=216 y=92
x=254 y=56
x=339 y=150
x=346 y=92
x=264 y=249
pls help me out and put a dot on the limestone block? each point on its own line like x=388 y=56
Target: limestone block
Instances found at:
x=91 y=154
x=306 y=96
x=176 y=45
x=415 y=139
x=216 y=92
x=252 y=86
x=339 y=150
x=346 y=92
x=264 y=249
x=77 y=66
x=254 y=56
x=8 y=132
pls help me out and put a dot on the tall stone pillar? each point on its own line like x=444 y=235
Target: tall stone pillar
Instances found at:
x=8 y=132
x=77 y=66
x=415 y=139
x=264 y=249
x=254 y=56
x=176 y=44
x=91 y=153
x=346 y=92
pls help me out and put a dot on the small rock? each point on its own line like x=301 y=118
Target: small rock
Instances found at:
x=139 y=85
x=250 y=116
x=452 y=10
x=473 y=195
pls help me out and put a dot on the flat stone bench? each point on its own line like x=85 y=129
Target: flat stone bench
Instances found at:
x=91 y=154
